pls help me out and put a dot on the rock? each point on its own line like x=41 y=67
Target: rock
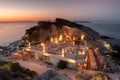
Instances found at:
x=12 y=47
x=43 y=31
x=106 y=37
x=2 y=48
x=52 y=75
x=5 y=75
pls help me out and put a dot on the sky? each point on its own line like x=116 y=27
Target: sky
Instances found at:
x=34 y=10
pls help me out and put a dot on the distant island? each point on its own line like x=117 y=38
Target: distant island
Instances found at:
x=82 y=21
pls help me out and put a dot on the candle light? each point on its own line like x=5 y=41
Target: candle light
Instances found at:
x=63 y=51
x=82 y=37
x=51 y=40
x=60 y=37
x=73 y=38
x=83 y=52
x=79 y=52
x=43 y=46
x=56 y=40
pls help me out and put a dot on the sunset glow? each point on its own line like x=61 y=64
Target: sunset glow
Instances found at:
x=21 y=17
x=26 y=10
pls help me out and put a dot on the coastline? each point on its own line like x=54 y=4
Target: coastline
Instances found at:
x=12 y=48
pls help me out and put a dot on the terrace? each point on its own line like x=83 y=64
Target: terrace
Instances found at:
x=72 y=50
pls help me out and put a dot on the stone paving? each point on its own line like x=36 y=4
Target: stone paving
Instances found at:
x=34 y=66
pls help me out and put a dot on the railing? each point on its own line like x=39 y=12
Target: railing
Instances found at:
x=37 y=51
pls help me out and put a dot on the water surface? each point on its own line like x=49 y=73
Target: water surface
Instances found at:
x=111 y=30
x=10 y=32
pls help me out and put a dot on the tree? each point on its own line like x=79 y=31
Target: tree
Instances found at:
x=62 y=64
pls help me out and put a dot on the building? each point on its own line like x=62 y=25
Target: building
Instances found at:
x=74 y=52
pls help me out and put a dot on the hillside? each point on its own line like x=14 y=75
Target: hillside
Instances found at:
x=45 y=29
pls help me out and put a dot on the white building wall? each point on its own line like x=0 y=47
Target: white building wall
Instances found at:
x=72 y=66
x=54 y=60
x=70 y=55
x=36 y=56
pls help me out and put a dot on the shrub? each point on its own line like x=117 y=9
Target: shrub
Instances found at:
x=115 y=54
x=16 y=71
x=5 y=75
x=5 y=65
x=62 y=64
x=98 y=76
x=16 y=67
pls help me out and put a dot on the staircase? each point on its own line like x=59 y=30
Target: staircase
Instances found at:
x=14 y=57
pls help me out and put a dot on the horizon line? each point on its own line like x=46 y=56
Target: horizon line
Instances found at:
x=18 y=21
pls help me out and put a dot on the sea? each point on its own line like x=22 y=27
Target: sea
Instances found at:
x=105 y=29
x=10 y=32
